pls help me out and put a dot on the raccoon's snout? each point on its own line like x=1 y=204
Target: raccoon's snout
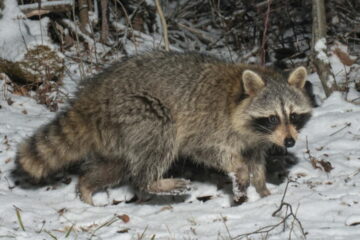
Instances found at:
x=289 y=142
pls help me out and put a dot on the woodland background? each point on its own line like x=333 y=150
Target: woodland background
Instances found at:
x=47 y=47
x=278 y=33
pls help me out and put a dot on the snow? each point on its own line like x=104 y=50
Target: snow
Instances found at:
x=14 y=26
x=320 y=48
x=325 y=203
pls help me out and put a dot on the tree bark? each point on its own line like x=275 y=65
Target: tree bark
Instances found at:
x=104 y=21
x=318 y=34
x=83 y=15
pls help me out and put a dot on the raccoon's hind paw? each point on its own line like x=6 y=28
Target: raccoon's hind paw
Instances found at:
x=170 y=186
x=85 y=194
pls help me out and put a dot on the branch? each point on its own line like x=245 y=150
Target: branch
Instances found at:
x=35 y=9
x=163 y=24
x=267 y=229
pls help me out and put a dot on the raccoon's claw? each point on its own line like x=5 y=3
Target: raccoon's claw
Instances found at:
x=85 y=195
x=170 y=186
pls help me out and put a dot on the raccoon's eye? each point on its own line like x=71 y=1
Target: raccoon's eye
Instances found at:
x=273 y=119
x=294 y=117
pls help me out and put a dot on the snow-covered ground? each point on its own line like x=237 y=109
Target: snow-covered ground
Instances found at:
x=325 y=203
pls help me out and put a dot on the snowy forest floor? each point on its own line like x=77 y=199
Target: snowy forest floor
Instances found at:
x=325 y=203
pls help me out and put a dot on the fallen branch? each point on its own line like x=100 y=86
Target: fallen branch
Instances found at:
x=37 y=9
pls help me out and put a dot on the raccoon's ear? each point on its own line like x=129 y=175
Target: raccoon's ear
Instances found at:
x=252 y=82
x=298 y=77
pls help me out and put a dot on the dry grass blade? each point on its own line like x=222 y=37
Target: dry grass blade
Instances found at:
x=163 y=24
x=51 y=235
x=18 y=215
x=69 y=231
x=143 y=233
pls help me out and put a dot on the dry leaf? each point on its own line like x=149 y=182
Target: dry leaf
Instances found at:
x=125 y=218
x=204 y=198
x=326 y=165
x=116 y=202
x=344 y=57
x=125 y=230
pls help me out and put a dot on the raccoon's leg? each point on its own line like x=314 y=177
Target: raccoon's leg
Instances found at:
x=259 y=178
x=97 y=175
x=240 y=181
x=148 y=144
x=169 y=185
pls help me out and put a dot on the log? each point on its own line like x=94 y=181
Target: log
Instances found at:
x=37 y=9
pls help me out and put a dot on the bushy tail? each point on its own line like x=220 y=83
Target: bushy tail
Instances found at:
x=54 y=146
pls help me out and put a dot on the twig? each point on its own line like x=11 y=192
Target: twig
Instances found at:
x=226 y=227
x=289 y=207
x=201 y=34
x=163 y=24
x=312 y=159
x=128 y=20
x=348 y=124
x=266 y=26
x=267 y=229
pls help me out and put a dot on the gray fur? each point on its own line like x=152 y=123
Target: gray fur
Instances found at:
x=133 y=120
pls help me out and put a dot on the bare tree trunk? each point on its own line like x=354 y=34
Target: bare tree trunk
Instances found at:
x=91 y=5
x=318 y=39
x=104 y=21
x=84 y=15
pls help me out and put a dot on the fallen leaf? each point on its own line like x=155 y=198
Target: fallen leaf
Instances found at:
x=116 y=202
x=125 y=230
x=125 y=218
x=344 y=57
x=326 y=165
x=204 y=198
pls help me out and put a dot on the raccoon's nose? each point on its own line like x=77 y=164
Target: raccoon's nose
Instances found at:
x=289 y=142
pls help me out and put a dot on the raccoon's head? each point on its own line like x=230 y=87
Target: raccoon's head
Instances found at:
x=277 y=108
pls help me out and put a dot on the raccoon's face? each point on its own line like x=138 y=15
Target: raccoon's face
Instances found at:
x=277 y=108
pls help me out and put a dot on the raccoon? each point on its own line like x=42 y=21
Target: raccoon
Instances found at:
x=135 y=119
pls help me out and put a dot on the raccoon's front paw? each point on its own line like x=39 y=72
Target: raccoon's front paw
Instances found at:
x=240 y=199
x=169 y=186
x=264 y=192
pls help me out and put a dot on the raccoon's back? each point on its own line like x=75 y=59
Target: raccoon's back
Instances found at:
x=168 y=76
